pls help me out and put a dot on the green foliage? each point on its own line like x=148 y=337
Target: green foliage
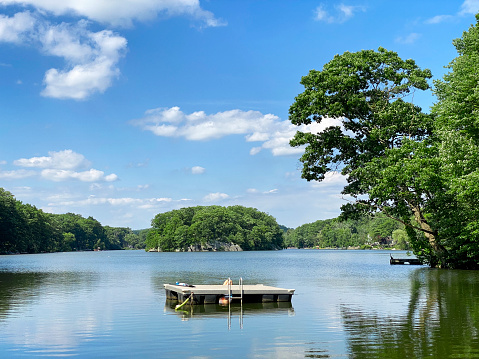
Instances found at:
x=383 y=144
x=26 y=229
x=192 y=226
x=337 y=233
x=457 y=127
x=419 y=169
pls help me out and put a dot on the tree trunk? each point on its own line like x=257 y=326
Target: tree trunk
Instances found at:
x=431 y=236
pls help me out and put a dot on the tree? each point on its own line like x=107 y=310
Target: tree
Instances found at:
x=384 y=144
x=10 y=222
x=457 y=127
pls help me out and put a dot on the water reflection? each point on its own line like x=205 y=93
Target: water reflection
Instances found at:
x=441 y=321
x=216 y=310
x=23 y=289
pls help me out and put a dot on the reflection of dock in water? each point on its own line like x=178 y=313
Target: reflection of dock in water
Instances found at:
x=202 y=311
x=212 y=294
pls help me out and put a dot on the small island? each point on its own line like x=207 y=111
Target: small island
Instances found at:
x=214 y=228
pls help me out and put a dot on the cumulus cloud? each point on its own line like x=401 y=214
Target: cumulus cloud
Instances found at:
x=91 y=175
x=15 y=29
x=124 y=12
x=255 y=126
x=66 y=159
x=122 y=201
x=197 y=170
x=214 y=197
x=340 y=14
x=59 y=166
x=198 y=126
x=91 y=57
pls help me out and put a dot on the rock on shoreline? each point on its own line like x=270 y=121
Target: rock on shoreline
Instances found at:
x=214 y=246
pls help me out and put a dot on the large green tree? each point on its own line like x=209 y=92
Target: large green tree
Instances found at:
x=457 y=128
x=384 y=144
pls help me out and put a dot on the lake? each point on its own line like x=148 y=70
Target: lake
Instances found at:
x=347 y=304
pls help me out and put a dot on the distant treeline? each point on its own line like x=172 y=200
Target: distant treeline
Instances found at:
x=246 y=227
x=27 y=229
x=366 y=232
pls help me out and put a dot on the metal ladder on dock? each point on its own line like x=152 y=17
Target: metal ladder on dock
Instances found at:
x=230 y=295
x=230 y=290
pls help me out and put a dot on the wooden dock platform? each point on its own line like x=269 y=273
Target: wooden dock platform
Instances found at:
x=248 y=293
x=410 y=261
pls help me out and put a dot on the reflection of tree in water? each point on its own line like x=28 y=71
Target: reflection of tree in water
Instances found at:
x=442 y=320
x=21 y=289
x=17 y=287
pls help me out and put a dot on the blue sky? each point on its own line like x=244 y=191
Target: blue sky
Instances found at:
x=122 y=109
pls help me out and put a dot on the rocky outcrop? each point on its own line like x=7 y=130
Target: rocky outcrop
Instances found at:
x=214 y=246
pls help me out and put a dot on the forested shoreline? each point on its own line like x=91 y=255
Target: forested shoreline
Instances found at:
x=27 y=229
x=377 y=232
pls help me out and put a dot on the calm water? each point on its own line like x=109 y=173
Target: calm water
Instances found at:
x=348 y=304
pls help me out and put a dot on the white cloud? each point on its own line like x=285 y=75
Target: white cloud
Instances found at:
x=66 y=159
x=469 y=7
x=332 y=178
x=122 y=201
x=342 y=13
x=213 y=197
x=409 y=39
x=198 y=126
x=91 y=57
x=15 y=29
x=16 y=174
x=255 y=151
x=438 y=19
x=255 y=126
x=322 y=15
x=3 y=162
x=91 y=175
x=275 y=190
x=124 y=12
x=59 y=166
x=197 y=170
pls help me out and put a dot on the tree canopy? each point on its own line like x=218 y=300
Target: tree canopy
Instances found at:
x=398 y=160
x=27 y=229
x=191 y=226
x=364 y=233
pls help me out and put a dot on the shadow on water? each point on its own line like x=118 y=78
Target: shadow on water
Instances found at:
x=441 y=321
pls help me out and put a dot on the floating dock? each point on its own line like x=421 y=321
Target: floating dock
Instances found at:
x=212 y=294
x=411 y=261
